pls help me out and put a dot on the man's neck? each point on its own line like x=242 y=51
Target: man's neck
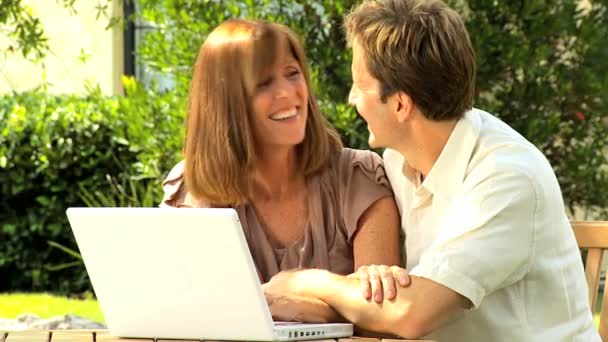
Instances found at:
x=425 y=142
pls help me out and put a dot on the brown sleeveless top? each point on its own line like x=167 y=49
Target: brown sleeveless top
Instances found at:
x=337 y=197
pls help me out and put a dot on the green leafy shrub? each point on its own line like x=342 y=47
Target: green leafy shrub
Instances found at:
x=62 y=151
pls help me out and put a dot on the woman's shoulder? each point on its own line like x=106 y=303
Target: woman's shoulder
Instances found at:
x=173 y=187
x=352 y=167
x=347 y=159
x=175 y=191
x=176 y=174
x=357 y=180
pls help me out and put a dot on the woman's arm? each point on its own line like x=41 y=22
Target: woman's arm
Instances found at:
x=377 y=243
x=377 y=239
x=300 y=309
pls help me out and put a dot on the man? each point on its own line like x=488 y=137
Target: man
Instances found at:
x=491 y=253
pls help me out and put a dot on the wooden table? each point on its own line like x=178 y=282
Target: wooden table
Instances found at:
x=103 y=336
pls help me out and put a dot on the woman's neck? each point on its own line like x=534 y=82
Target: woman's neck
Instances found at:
x=276 y=174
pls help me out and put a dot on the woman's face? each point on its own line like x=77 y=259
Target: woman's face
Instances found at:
x=280 y=104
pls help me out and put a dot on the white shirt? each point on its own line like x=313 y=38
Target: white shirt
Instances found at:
x=489 y=223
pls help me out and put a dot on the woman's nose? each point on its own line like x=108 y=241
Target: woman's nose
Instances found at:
x=284 y=89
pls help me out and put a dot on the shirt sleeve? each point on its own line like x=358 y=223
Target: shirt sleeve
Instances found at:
x=487 y=237
x=173 y=187
x=363 y=181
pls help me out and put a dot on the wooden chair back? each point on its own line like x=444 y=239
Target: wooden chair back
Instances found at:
x=593 y=236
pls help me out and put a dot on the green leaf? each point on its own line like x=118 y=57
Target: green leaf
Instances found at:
x=65 y=249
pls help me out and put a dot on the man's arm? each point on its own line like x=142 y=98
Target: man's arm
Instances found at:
x=486 y=244
x=416 y=310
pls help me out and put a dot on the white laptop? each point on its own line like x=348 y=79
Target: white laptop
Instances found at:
x=179 y=273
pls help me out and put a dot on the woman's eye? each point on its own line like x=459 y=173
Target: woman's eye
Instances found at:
x=293 y=73
x=264 y=83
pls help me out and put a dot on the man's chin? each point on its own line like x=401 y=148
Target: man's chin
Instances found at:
x=372 y=141
x=375 y=144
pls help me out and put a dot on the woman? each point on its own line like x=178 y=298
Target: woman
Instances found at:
x=257 y=141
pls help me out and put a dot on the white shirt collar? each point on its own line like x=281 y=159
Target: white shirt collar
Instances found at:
x=449 y=170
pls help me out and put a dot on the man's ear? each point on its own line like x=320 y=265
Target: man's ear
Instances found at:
x=403 y=106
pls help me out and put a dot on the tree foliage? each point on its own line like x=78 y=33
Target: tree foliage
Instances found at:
x=24 y=30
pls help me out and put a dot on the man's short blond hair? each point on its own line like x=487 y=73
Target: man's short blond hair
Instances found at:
x=420 y=47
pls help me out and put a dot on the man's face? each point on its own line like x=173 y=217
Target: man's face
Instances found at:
x=365 y=96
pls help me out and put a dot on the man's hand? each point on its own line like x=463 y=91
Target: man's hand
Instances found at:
x=379 y=281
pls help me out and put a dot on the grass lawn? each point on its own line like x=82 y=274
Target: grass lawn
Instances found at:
x=46 y=306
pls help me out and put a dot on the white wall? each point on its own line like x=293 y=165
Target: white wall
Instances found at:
x=68 y=33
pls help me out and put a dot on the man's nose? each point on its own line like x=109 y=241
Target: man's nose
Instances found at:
x=352 y=96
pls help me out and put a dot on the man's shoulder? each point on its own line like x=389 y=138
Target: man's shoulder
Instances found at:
x=501 y=149
x=515 y=164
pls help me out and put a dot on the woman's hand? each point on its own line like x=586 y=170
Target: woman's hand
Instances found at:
x=380 y=282
x=300 y=309
x=286 y=305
